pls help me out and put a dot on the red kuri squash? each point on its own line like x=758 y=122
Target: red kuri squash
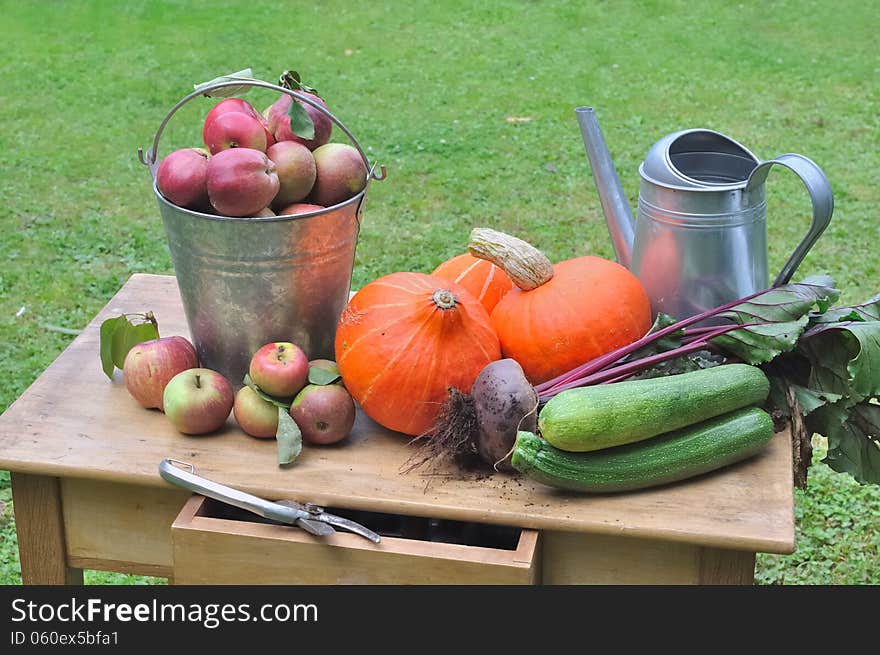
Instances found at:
x=404 y=339
x=559 y=317
x=487 y=282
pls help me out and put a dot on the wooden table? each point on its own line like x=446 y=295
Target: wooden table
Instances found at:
x=87 y=495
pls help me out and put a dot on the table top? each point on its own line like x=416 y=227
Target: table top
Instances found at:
x=75 y=422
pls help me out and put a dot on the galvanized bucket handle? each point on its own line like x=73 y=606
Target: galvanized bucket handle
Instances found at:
x=151 y=157
x=818 y=187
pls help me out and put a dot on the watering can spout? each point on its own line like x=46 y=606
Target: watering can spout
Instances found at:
x=618 y=216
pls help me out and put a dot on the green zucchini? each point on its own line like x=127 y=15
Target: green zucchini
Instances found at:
x=607 y=415
x=668 y=458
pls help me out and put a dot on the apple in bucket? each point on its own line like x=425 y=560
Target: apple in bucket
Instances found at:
x=150 y=365
x=198 y=400
x=340 y=174
x=182 y=178
x=241 y=181
x=296 y=171
x=280 y=369
x=279 y=121
x=299 y=208
x=214 y=134
x=235 y=129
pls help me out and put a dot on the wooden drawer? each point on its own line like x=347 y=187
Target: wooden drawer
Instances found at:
x=218 y=544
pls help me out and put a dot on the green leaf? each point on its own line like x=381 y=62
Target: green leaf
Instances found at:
x=228 y=91
x=292 y=80
x=757 y=344
x=108 y=329
x=118 y=335
x=845 y=358
x=789 y=302
x=127 y=335
x=867 y=311
x=280 y=403
x=853 y=435
x=301 y=123
x=289 y=438
x=322 y=376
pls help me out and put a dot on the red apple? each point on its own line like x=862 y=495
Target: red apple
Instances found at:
x=280 y=369
x=182 y=178
x=241 y=181
x=150 y=365
x=198 y=400
x=324 y=413
x=299 y=208
x=296 y=171
x=279 y=121
x=340 y=174
x=235 y=129
x=257 y=417
x=236 y=105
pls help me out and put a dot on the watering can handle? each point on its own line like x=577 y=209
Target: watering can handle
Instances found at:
x=151 y=157
x=821 y=196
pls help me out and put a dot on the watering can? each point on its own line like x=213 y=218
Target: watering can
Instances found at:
x=699 y=239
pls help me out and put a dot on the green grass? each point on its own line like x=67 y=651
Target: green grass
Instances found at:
x=427 y=88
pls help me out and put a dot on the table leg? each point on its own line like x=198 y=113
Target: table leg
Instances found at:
x=40 y=526
x=726 y=567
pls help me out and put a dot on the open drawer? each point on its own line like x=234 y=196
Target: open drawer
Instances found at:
x=218 y=544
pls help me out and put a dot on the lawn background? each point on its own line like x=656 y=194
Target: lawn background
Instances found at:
x=470 y=107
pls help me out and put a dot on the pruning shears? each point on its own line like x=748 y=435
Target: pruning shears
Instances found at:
x=308 y=516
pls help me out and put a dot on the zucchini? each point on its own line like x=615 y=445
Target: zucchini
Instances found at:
x=668 y=458
x=607 y=415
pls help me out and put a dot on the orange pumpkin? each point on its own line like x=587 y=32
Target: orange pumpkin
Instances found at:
x=487 y=282
x=559 y=317
x=404 y=339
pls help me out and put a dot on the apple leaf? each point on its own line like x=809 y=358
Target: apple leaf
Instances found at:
x=280 y=403
x=292 y=80
x=128 y=335
x=301 y=123
x=118 y=335
x=228 y=91
x=289 y=438
x=108 y=328
x=322 y=376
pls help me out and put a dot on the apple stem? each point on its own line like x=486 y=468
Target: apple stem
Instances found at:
x=198 y=381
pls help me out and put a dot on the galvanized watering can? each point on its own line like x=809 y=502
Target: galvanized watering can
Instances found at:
x=700 y=236
x=245 y=282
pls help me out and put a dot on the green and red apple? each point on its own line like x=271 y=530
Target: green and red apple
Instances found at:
x=296 y=171
x=280 y=369
x=256 y=416
x=340 y=173
x=324 y=413
x=198 y=400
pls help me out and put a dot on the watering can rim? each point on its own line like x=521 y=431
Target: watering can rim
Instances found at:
x=659 y=169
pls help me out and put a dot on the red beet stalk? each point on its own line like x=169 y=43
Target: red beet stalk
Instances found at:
x=602 y=362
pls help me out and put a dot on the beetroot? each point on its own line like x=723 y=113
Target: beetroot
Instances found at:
x=481 y=427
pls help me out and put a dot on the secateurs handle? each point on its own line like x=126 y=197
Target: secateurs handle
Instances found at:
x=292 y=514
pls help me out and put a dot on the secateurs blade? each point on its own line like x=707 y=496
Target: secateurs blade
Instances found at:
x=309 y=517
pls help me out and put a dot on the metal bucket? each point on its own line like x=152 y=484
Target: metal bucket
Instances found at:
x=245 y=282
